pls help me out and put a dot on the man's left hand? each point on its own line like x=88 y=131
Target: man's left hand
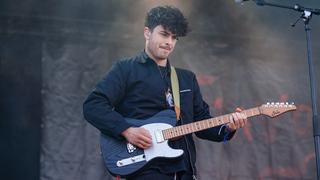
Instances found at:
x=237 y=120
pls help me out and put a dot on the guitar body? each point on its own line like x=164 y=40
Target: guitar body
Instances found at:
x=124 y=159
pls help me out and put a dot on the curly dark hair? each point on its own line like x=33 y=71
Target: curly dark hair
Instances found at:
x=170 y=18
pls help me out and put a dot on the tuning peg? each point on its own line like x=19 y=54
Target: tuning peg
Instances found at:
x=292 y=104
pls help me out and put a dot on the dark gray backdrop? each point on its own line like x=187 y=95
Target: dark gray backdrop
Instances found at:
x=243 y=56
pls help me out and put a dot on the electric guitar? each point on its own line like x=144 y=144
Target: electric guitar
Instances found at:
x=124 y=159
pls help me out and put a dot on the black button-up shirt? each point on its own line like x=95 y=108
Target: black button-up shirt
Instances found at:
x=135 y=88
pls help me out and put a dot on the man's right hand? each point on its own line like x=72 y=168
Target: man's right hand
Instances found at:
x=138 y=136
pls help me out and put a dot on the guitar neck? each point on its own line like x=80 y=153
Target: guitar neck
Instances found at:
x=204 y=124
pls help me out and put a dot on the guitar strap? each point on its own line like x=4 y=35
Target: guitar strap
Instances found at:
x=175 y=90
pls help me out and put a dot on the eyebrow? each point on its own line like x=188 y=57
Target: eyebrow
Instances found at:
x=164 y=31
x=168 y=33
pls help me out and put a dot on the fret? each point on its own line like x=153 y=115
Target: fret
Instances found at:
x=197 y=126
x=181 y=131
x=166 y=134
x=175 y=132
x=186 y=129
x=178 y=131
x=204 y=123
x=227 y=120
x=252 y=112
x=219 y=120
x=191 y=127
x=201 y=125
x=207 y=124
x=213 y=123
x=222 y=120
x=171 y=133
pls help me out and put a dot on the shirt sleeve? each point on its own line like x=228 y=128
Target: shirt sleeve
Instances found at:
x=201 y=112
x=98 y=108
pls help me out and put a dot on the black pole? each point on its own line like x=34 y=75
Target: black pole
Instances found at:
x=306 y=16
x=313 y=87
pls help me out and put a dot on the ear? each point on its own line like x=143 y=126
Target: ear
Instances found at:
x=147 y=33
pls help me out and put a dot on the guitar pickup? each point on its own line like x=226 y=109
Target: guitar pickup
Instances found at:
x=159 y=136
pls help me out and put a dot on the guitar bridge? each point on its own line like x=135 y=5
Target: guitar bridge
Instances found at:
x=131 y=160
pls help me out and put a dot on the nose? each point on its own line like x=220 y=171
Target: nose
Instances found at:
x=170 y=40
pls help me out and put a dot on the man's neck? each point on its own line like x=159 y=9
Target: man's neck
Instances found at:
x=162 y=63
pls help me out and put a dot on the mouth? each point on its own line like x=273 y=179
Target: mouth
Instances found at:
x=165 y=48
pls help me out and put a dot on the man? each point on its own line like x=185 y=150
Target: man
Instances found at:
x=139 y=87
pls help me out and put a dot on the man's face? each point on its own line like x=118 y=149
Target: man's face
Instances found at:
x=159 y=42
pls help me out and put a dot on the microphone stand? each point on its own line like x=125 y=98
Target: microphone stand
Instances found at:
x=306 y=17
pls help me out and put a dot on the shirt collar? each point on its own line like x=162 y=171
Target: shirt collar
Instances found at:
x=144 y=58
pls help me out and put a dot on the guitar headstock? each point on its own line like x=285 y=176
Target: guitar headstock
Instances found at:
x=275 y=109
